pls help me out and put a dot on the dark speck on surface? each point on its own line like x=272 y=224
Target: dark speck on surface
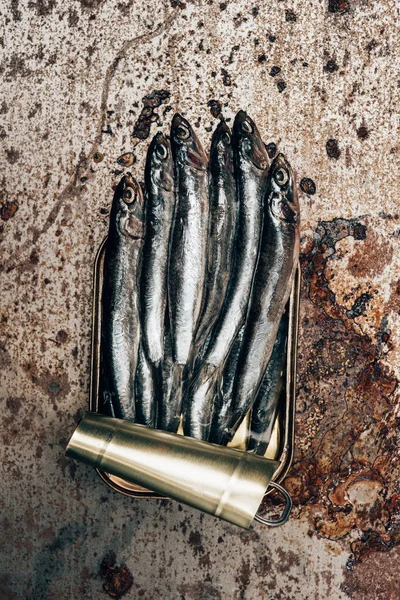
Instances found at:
x=308 y=186
x=331 y=66
x=98 y=157
x=332 y=148
x=290 y=16
x=223 y=6
x=178 y=4
x=362 y=132
x=338 y=6
x=262 y=58
x=226 y=78
x=274 y=71
x=271 y=149
x=281 y=86
x=272 y=38
x=359 y=306
x=12 y=155
x=215 y=107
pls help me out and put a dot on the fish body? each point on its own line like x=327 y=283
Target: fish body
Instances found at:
x=223 y=400
x=188 y=241
x=145 y=398
x=158 y=218
x=120 y=310
x=272 y=284
x=169 y=408
x=272 y=385
x=222 y=223
x=250 y=161
x=250 y=167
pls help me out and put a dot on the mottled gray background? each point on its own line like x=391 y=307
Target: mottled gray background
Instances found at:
x=75 y=79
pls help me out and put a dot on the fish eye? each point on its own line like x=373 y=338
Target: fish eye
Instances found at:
x=226 y=138
x=281 y=177
x=246 y=126
x=162 y=151
x=182 y=132
x=129 y=195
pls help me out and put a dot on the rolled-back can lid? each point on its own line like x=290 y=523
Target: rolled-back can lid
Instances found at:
x=224 y=482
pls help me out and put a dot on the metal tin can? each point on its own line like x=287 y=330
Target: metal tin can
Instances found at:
x=281 y=446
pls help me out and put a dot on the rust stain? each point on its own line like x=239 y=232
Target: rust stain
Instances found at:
x=8 y=210
x=126 y=160
x=308 y=186
x=371 y=257
x=343 y=476
x=148 y=115
x=118 y=580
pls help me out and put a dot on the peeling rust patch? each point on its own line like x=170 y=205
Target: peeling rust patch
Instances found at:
x=8 y=210
x=308 y=186
x=118 y=580
x=343 y=475
x=148 y=115
x=126 y=160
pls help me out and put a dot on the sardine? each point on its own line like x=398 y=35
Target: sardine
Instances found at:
x=145 y=396
x=188 y=241
x=222 y=222
x=250 y=164
x=159 y=183
x=153 y=280
x=271 y=288
x=120 y=314
x=273 y=383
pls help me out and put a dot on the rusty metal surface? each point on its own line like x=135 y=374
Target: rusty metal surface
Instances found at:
x=321 y=80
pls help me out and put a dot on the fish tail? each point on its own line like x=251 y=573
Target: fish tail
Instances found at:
x=199 y=403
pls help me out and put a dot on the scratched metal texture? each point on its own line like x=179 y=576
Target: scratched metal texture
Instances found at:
x=76 y=80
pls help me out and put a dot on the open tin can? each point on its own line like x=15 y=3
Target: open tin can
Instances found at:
x=281 y=445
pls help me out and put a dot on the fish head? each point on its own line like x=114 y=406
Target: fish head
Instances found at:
x=160 y=163
x=248 y=141
x=186 y=146
x=129 y=206
x=221 y=145
x=282 y=196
